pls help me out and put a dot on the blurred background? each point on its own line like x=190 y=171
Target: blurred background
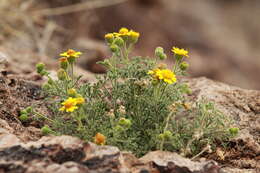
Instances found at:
x=222 y=36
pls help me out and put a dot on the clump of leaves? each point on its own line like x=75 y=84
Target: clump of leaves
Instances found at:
x=139 y=105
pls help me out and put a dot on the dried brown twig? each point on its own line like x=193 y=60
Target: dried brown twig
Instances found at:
x=76 y=7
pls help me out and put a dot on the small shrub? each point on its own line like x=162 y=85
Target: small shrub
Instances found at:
x=139 y=105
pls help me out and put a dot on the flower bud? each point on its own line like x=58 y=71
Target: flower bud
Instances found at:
x=119 y=41
x=40 y=67
x=233 y=131
x=23 y=117
x=114 y=48
x=62 y=74
x=184 y=65
x=23 y=111
x=159 y=53
x=125 y=122
x=161 y=136
x=64 y=63
x=29 y=109
x=109 y=38
x=72 y=92
x=167 y=135
x=46 y=130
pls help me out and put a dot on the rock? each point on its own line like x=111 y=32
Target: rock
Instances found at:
x=172 y=162
x=58 y=154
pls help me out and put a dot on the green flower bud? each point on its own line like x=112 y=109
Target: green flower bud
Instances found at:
x=119 y=41
x=23 y=111
x=40 y=67
x=167 y=135
x=109 y=38
x=62 y=74
x=29 y=109
x=23 y=117
x=159 y=53
x=233 y=131
x=161 y=136
x=64 y=63
x=125 y=122
x=114 y=48
x=184 y=65
x=46 y=130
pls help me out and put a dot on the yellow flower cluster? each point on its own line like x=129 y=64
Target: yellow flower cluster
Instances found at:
x=71 y=104
x=180 y=52
x=165 y=75
x=125 y=34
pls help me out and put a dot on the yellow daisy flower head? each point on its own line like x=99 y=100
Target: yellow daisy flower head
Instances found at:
x=99 y=139
x=69 y=105
x=165 y=75
x=71 y=53
x=181 y=52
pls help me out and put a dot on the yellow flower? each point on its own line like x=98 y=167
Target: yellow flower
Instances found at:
x=123 y=31
x=71 y=53
x=99 y=139
x=163 y=74
x=69 y=105
x=181 y=52
x=167 y=76
x=72 y=92
x=109 y=37
x=80 y=100
x=133 y=34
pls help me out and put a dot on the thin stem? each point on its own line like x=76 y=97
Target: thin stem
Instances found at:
x=165 y=128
